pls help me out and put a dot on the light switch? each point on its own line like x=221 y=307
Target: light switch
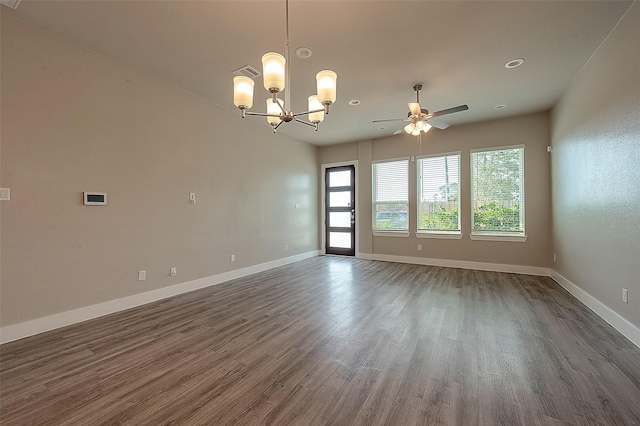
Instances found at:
x=5 y=194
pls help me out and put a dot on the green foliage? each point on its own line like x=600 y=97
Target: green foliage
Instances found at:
x=497 y=175
x=450 y=193
x=440 y=220
x=380 y=225
x=391 y=220
x=492 y=216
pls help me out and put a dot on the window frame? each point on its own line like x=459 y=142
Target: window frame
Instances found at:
x=437 y=233
x=497 y=235
x=374 y=203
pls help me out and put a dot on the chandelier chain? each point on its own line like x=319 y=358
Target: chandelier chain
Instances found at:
x=287 y=57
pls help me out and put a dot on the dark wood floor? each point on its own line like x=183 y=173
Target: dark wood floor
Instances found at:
x=334 y=341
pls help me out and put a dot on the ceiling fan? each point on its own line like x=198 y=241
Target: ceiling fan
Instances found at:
x=421 y=120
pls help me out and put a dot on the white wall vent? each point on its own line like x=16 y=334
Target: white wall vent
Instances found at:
x=13 y=4
x=247 y=71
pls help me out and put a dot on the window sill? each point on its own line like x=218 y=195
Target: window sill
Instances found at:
x=402 y=234
x=453 y=235
x=494 y=237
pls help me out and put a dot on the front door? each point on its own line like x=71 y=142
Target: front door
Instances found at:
x=340 y=210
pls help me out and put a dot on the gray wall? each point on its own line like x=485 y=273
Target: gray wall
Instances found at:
x=596 y=179
x=74 y=121
x=530 y=130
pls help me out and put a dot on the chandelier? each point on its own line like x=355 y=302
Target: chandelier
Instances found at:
x=276 y=70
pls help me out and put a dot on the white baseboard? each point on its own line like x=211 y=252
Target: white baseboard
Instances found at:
x=627 y=329
x=482 y=266
x=52 y=322
x=40 y=325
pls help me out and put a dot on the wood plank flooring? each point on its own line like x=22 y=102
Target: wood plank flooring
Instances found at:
x=333 y=341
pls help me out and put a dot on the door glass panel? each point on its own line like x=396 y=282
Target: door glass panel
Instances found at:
x=340 y=199
x=340 y=219
x=342 y=178
x=340 y=239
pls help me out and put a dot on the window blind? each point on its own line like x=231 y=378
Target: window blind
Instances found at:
x=497 y=191
x=390 y=195
x=439 y=193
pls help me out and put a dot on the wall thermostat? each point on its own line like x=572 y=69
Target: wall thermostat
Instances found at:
x=95 y=198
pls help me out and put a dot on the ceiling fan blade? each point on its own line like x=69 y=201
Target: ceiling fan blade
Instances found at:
x=414 y=107
x=438 y=124
x=448 y=111
x=400 y=130
x=389 y=119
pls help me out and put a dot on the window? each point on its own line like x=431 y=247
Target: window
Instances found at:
x=497 y=192
x=439 y=194
x=390 y=195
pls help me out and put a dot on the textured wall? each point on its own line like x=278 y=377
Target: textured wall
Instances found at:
x=596 y=184
x=531 y=130
x=74 y=121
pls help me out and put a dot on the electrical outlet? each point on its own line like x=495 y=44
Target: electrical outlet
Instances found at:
x=192 y=197
x=554 y=257
x=419 y=247
x=233 y=257
x=286 y=247
x=625 y=295
x=174 y=271
x=142 y=275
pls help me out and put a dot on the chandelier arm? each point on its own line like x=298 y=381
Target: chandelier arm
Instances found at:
x=284 y=111
x=304 y=122
x=261 y=114
x=307 y=112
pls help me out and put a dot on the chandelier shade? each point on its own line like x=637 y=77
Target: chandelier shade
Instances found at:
x=274 y=109
x=315 y=105
x=326 y=80
x=243 y=91
x=273 y=71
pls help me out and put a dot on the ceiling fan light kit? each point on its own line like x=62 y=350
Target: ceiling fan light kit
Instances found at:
x=276 y=70
x=416 y=127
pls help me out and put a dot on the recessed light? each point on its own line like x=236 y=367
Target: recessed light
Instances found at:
x=500 y=106
x=354 y=102
x=303 y=52
x=514 y=63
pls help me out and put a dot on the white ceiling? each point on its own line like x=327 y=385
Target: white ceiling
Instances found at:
x=379 y=49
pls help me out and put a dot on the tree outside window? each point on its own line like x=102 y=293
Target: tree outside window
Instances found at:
x=497 y=191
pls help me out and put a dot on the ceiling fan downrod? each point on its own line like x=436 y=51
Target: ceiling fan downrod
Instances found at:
x=417 y=88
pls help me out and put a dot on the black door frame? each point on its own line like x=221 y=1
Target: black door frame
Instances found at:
x=326 y=168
